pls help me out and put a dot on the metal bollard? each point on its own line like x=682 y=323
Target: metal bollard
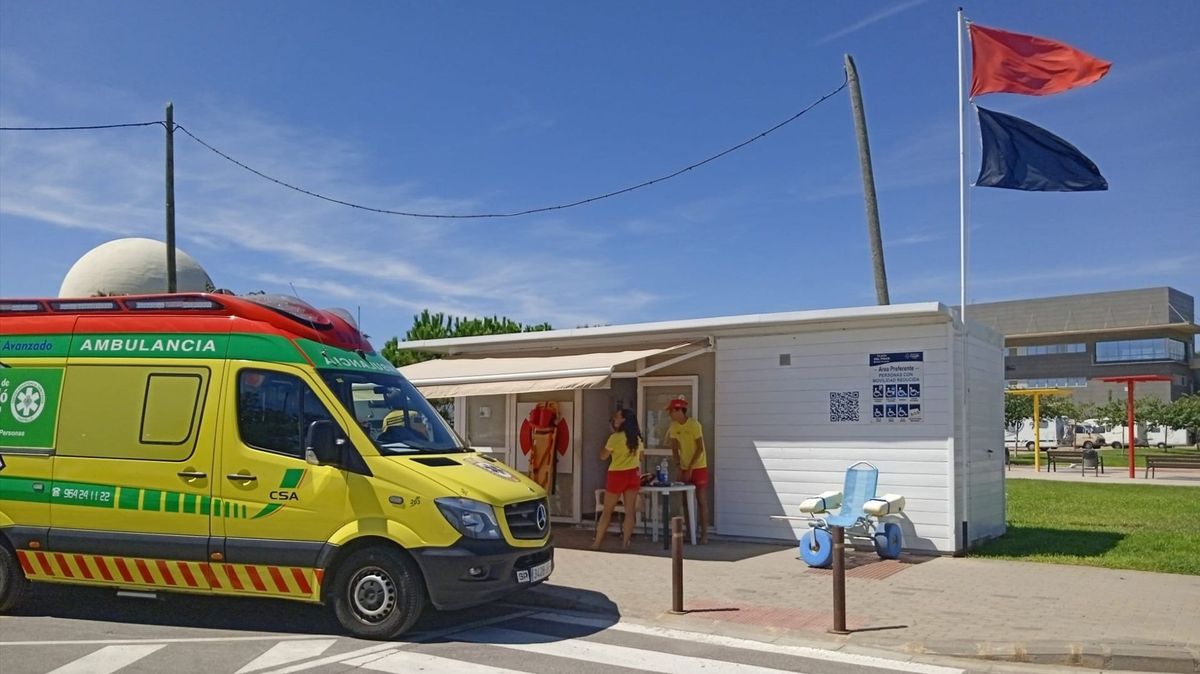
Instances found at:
x=677 y=565
x=839 y=580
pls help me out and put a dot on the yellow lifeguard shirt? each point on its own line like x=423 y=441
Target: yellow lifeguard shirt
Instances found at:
x=623 y=458
x=687 y=434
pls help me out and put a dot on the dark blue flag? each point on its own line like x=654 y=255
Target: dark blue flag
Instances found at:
x=1018 y=155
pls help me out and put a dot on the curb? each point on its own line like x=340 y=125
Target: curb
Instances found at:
x=1093 y=655
x=1142 y=657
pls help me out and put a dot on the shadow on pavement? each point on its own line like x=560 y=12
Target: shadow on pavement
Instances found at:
x=862 y=563
x=220 y=613
x=536 y=628
x=715 y=551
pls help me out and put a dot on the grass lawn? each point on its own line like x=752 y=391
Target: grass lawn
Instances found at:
x=1143 y=527
x=1113 y=458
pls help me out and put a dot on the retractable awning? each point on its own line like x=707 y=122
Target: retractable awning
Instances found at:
x=450 y=377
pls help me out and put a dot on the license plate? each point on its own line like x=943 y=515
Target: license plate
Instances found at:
x=533 y=575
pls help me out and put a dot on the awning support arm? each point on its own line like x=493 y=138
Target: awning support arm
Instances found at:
x=666 y=363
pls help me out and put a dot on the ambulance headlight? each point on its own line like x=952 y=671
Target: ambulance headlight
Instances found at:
x=472 y=519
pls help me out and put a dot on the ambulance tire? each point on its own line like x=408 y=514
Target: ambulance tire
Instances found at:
x=13 y=584
x=378 y=593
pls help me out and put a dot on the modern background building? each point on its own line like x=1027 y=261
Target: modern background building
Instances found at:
x=1074 y=340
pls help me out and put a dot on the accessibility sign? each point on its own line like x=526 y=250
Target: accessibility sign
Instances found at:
x=896 y=383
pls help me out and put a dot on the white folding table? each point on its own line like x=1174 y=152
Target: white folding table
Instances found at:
x=659 y=519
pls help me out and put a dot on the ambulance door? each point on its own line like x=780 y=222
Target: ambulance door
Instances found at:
x=277 y=510
x=133 y=467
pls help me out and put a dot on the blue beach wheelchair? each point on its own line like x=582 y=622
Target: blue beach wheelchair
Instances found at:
x=860 y=512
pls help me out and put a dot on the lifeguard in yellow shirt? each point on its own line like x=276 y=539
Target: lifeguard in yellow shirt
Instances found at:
x=624 y=449
x=686 y=438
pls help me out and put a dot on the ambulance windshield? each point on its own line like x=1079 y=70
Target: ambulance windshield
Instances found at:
x=393 y=414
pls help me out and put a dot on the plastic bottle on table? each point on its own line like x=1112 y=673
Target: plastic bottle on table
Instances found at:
x=662 y=476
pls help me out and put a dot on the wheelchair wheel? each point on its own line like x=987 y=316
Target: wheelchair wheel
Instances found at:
x=816 y=548
x=889 y=541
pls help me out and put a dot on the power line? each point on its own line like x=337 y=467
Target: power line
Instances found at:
x=529 y=211
x=452 y=216
x=79 y=128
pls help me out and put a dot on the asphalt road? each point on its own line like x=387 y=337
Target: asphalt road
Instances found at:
x=81 y=630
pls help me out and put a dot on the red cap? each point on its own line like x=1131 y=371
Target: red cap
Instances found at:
x=680 y=403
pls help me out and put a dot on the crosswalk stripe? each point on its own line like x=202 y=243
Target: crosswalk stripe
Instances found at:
x=176 y=640
x=412 y=639
x=334 y=659
x=286 y=652
x=734 y=642
x=108 y=659
x=616 y=656
x=405 y=662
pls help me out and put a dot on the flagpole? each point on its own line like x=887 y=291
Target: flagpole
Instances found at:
x=963 y=408
x=962 y=176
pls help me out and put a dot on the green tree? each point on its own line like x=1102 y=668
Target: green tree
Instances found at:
x=1185 y=413
x=430 y=325
x=1060 y=406
x=1017 y=408
x=1151 y=411
x=1112 y=412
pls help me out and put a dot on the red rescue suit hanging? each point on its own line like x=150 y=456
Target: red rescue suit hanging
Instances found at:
x=544 y=437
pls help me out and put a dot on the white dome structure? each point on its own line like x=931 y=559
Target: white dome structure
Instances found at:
x=132 y=267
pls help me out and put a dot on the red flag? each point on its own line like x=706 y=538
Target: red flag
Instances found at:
x=1028 y=64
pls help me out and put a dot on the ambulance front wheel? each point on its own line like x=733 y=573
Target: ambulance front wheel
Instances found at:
x=378 y=593
x=13 y=584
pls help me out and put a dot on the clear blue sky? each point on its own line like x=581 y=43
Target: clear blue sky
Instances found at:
x=489 y=106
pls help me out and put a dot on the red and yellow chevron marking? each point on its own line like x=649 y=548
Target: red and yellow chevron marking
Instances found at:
x=278 y=581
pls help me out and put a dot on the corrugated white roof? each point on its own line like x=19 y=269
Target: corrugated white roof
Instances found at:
x=689 y=329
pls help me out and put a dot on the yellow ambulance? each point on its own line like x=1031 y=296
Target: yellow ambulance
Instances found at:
x=245 y=446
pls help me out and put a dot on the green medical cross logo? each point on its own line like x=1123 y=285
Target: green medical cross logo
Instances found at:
x=28 y=401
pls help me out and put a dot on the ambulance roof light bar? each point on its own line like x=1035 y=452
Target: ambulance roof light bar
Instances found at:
x=84 y=305
x=113 y=304
x=20 y=306
x=165 y=303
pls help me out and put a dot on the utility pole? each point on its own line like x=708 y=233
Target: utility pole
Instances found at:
x=171 y=285
x=868 y=178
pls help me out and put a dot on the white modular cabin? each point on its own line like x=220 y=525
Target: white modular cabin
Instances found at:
x=788 y=401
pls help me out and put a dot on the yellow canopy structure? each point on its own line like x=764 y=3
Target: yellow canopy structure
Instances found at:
x=1037 y=394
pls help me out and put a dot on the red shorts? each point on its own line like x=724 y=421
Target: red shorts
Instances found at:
x=696 y=476
x=621 y=481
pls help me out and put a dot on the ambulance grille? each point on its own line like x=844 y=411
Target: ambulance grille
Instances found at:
x=524 y=521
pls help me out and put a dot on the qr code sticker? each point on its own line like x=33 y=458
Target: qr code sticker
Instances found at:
x=843 y=406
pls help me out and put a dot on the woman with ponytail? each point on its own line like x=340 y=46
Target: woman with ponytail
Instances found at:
x=624 y=448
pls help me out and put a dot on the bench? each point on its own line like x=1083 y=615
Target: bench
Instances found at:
x=1156 y=461
x=1056 y=455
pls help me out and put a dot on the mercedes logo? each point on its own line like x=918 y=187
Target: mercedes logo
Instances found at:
x=540 y=517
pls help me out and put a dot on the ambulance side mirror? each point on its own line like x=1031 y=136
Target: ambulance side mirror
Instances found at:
x=321 y=445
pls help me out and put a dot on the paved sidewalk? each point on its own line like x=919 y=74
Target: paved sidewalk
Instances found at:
x=1165 y=477
x=1000 y=610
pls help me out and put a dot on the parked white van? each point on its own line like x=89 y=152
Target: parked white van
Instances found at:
x=1052 y=432
x=1165 y=436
